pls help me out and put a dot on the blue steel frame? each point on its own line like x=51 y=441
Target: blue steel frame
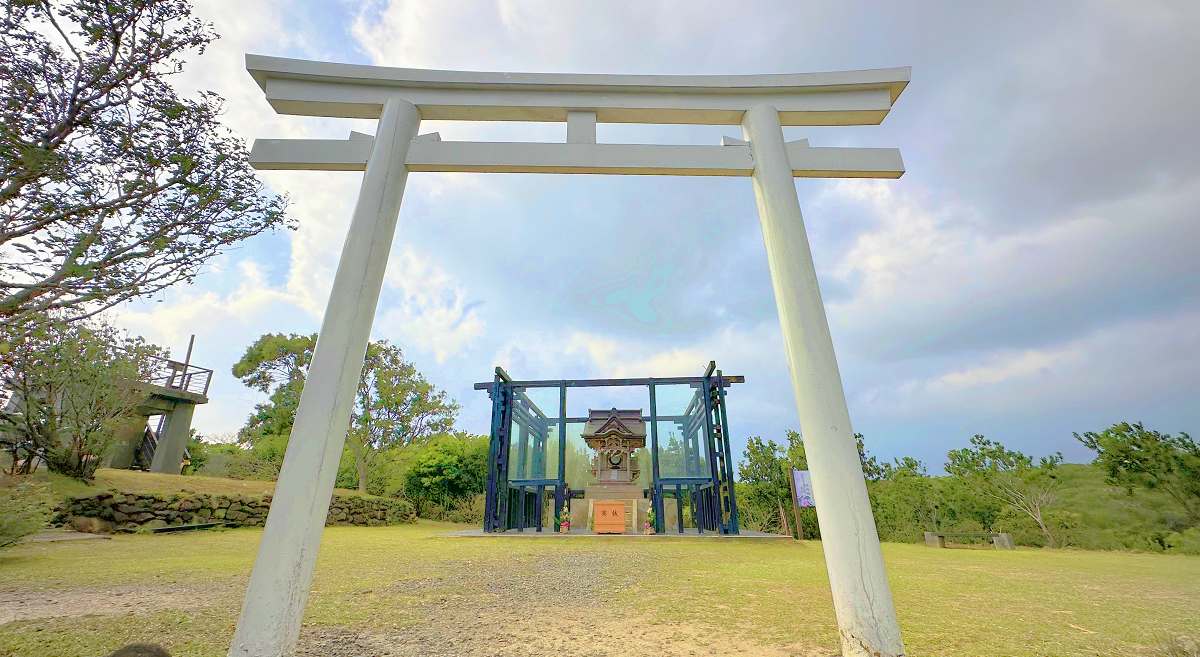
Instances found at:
x=510 y=503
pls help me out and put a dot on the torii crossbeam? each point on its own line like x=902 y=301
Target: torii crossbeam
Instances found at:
x=400 y=98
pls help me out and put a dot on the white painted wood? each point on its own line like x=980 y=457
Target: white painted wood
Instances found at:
x=265 y=67
x=862 y=598
x=278 y=590
x=635 y=159
x=581 y=127
x=356 y=91
x=312 y=154
x=625 y=159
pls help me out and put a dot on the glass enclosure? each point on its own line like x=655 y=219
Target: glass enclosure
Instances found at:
x=535 y=474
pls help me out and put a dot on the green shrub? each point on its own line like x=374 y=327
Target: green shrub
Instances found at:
x=28 y=506
x=1184 y=542
x=467 y=510
x=402 y=511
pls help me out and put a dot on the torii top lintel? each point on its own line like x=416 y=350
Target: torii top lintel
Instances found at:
x=294 y=86
x=312 y=88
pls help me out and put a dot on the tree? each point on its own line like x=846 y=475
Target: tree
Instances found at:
x=1133 y=456
x=112 y=187
x=395 y=407
x=906 y=501
x=277 y=364
x=275 y=359
x=1010 y=477
x=72 y=386
x=873 y=470
x=765 y=490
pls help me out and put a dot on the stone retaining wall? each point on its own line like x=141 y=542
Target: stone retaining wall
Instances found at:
x=116 y=511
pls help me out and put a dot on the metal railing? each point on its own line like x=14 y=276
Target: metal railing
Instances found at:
x=179 y=375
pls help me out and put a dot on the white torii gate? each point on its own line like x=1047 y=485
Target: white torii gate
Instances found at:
x=400 y=98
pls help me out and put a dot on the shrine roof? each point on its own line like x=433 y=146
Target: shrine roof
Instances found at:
x=620 y=422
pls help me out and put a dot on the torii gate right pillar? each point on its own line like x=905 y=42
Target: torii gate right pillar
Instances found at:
x=862 y=598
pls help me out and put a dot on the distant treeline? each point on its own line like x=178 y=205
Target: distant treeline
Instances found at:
x=1142 y=492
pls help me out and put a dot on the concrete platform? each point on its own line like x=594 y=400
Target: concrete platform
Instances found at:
x=747 y=534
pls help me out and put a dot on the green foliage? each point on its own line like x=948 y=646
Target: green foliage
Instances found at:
x=274 y=359
x=277 y=364
x=1009 y=477
x=27 y=506
x=465 y=510
x=447 y=469
x=1137 y=458
x=1082 y=509
x=111 y=186
x=73 y=385
x=1184 y=542
x=764 y=487
x=395 y=406
x=906 y=502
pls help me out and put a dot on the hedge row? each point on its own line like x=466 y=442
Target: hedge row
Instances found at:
x=116 y=511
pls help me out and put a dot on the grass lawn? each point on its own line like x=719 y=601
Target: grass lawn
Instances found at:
x=411 y=590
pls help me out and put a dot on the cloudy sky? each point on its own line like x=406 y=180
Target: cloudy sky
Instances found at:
x=1034 y=272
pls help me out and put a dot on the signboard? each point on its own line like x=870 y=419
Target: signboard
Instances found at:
x=802 y=488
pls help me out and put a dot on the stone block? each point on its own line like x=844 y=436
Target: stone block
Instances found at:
x=90 y=525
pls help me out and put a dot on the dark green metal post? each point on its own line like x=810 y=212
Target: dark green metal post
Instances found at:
x=733 y=509
x=657 y=487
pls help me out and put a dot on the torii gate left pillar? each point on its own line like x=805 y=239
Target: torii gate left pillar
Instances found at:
x=278 y=590
x=279 y=585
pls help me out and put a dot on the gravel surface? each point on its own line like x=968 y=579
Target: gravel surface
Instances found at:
x=555 y=605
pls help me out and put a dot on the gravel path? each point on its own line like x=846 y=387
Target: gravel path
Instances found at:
x=29 y=604
x=550 y=606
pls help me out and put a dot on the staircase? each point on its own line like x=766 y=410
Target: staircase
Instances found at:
x=145 y=451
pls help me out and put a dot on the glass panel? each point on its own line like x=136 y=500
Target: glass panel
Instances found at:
x=682 y=450
x=530 y=436
x=579 y=458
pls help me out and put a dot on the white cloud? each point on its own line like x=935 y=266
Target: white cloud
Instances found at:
x=1139 y=361
x=224 y=323
x=926 y=279
x=431 y=311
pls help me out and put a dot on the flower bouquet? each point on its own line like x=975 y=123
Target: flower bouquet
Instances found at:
x=564 y=525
